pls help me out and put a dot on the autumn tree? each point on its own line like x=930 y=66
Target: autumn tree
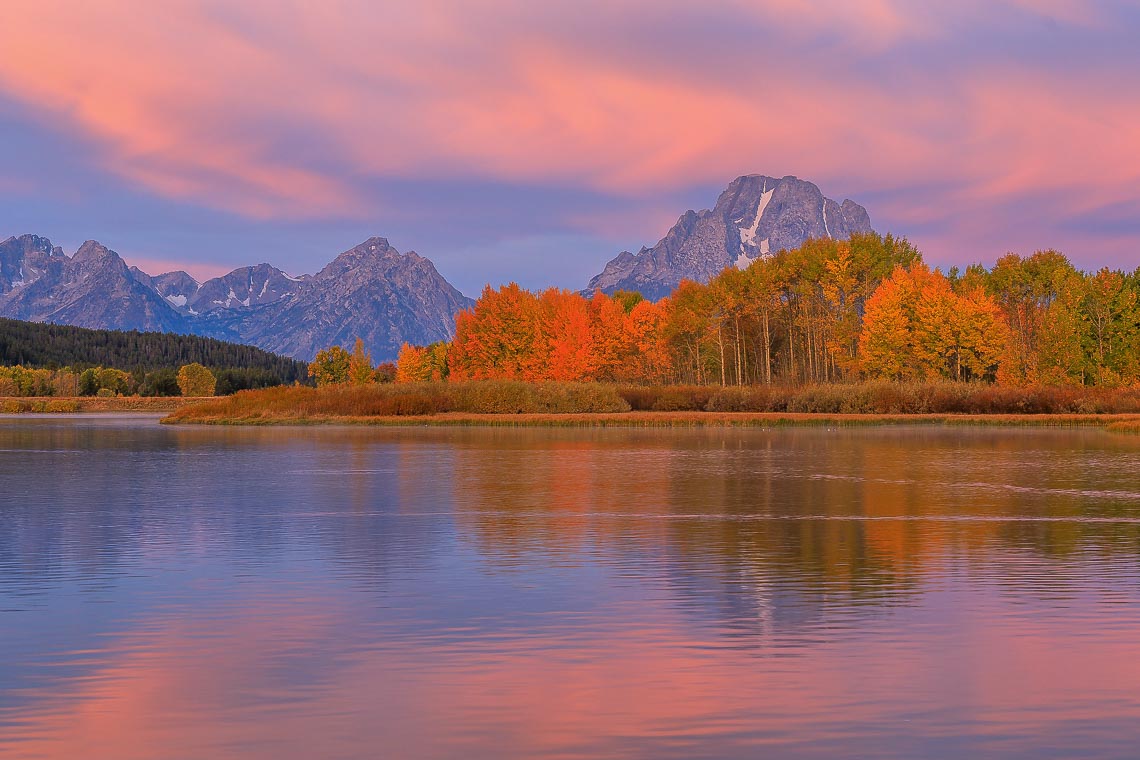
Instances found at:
x=1038 y=296
x=330 y=366
x=421 y=364
x=359 y=365
x=689 y=331
x=496 y=338
x=613 y=343
x=917 y=328
x=651 y=359
x=564 y=348
x=886 y=345
x=1112 y=314
x=196 y=380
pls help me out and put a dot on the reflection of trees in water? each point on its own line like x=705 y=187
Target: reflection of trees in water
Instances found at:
x=759 y=513
x=812 y=517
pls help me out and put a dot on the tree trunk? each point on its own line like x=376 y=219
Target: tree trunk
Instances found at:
x=767 y=351
x=720 y=341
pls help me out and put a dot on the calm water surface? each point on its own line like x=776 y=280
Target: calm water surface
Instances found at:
x=812 y=593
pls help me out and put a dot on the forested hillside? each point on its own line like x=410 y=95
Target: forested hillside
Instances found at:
x=31 y=344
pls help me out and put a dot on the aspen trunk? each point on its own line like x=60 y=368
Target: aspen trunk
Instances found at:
x=767 y=351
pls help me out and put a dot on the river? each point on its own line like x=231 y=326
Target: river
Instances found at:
x=925 y=592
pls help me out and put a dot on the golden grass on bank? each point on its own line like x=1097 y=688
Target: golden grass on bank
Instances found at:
x=889 y=398
x=685 y=420
x=297 y=403
x=480 y=402
x=50 y=404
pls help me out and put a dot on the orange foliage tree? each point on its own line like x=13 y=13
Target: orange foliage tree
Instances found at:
x=917 y=328
x=496 y=338
x=422 y=364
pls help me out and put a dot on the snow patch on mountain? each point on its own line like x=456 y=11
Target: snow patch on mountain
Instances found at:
x=748 y=235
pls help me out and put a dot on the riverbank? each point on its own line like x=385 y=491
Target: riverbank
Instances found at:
x=1125 y=422
x=71 y=405
x=510 y=403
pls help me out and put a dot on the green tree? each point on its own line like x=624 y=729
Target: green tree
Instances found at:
x=89 y=382
x=115 y=380
x=161 y=382
x=196 y=380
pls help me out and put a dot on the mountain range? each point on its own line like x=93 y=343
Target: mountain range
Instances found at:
x=385 y=297
x=371 y=291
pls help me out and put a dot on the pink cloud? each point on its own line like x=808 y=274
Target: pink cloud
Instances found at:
x=285 y=112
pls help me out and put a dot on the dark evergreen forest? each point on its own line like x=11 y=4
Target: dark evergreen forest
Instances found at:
x=48 y=346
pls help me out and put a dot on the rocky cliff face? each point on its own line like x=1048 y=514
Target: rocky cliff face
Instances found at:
x=24 y=260
x=754 y=217
x=371 y=291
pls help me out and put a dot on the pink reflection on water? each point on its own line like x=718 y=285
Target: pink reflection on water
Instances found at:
x=263 y=681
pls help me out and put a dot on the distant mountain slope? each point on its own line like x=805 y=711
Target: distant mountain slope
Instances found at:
x=754 y=216
x=33 y=344
x=245 y=287
x=176 y=287
x=371 y=291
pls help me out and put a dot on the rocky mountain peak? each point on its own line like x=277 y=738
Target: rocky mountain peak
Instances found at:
x=373 y=247
x=30 y=244
x=372 y=257
x=371 y=291
x=755 y=216
x=24 y=259
x=93 y=251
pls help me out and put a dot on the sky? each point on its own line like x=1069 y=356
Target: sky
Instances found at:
x=532 y=141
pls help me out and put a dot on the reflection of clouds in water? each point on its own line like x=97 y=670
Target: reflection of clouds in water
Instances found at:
x=553 y=590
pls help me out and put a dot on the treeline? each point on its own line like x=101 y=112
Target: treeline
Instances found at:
x=58 y=360
x=19 y=380
x=829 y=311
x=33 y=344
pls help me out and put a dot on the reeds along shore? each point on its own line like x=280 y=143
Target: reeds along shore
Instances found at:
x=652 y=405
x=110 y=404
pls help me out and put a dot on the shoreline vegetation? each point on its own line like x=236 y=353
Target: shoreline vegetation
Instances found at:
x=521 y=404
x=83 y=404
